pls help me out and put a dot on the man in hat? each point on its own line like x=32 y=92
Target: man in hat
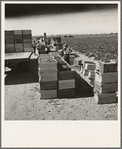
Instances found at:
x=66 y=51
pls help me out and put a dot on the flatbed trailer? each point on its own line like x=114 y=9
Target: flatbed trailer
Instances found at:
x=17 y=57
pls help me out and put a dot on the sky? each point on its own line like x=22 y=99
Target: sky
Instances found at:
x=62 y=18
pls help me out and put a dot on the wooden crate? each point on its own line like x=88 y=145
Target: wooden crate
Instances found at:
x=26 y=32
x=105 y=67
x=89 y=66
x=105 y=88
x=18 y=41
x=105 y=98
x=17 y=32
x=104 y=78
x=66 y=84
x=9 y=33
x=27 y=45
x=9 y=39
x=47 y=76
x=27 y=41
x=27 y=36
x=66 y=93
x=85 y=72
x=9 y=49
x=66 y=75
x=48 y=94
x=19 y=49
x=91 y=74
x=50 y=85
x=28 y=49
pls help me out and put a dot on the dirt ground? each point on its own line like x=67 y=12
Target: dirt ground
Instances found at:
x=22 y=100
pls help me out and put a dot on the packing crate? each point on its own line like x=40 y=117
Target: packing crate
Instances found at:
x=28 y=49
x=65 y=84
x=50 y=85
x=26 y=32
x=66 y=93
x=47 y=76
x=105 y=98
x=66 y=75
x=105 y=67
x=89 y=66
x=105 y=88
x=17 y=32
x=48 y=94
x=104 y=78
x=91 y=74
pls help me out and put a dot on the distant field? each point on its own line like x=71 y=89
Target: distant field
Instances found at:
x=101 y=47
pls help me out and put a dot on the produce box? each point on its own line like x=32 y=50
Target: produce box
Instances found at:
x=28 y=49
x=89 y=66
x=47 y=76
x=17 y=32
x=9 y=49
x=48 y=94
x=105 y=98
x=9 y=33
x=85 y=72
x=105 y=88
x=104 y=78
x=66 y=93
x=26 y=32
x=50 y=85
x=105 y=67
x=65 y=84
x=28 y=45
x=91 y=74
x=66 y=75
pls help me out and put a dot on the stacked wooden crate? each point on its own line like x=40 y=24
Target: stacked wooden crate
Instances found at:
x=27 y=40
x=71 y=59
x=77 y=61
x=66 y=79
x=106 y=83
x=9 y=42
x=47 y=76
x=18 y=41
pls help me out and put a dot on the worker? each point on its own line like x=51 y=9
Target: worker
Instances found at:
x=66 y=51
x=41 y=47
x=34 y=46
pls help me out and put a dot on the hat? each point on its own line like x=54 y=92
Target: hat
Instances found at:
x=66 y=45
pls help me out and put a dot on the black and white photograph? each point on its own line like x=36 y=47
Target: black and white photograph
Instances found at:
x=61 y=63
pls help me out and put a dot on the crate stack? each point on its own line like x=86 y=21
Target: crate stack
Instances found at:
x=18 y=40
x=71 y=59
x=47 y=76
x=77 y=61
x=88 y=68
x=105 y=87
x=9 y=42
x=66 y=79
x=27 y=40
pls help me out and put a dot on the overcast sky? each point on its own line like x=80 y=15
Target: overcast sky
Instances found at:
x=62 y=18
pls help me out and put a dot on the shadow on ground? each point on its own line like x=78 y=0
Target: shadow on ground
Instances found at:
x=23 y=73
x=83 y=89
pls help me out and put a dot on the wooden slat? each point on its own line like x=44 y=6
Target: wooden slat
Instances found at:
x=105 y=98
x=48 y=94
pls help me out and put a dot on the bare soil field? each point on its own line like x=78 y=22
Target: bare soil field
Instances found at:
x=22 y=100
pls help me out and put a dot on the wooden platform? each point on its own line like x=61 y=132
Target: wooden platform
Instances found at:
x=12 y=57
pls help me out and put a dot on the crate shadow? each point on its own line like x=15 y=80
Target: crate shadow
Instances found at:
x=22 y=74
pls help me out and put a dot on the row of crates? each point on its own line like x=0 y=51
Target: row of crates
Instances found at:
x=18 y=41
x=103 y=77
x=55 y=77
